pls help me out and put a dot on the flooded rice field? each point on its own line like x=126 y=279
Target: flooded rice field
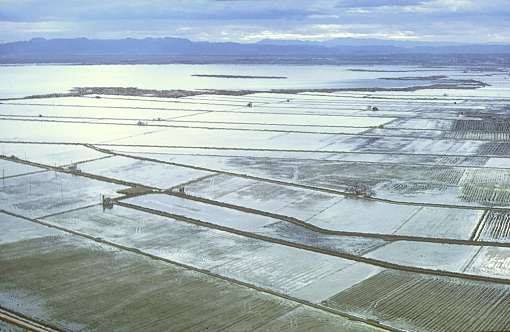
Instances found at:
x=323 y=206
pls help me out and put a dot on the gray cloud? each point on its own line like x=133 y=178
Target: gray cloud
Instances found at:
x=377 y=3
x=250 y=20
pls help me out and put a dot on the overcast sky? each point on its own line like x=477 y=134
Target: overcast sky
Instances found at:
x=252 y=20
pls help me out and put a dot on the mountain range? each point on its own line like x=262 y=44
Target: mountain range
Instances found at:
x=169 y=50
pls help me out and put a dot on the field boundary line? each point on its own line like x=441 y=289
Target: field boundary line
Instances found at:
x=207 y=272
x=299 y=185
x=28 y=323
x=347 y=256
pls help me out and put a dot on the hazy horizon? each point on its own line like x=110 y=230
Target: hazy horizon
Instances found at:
x=275 y=41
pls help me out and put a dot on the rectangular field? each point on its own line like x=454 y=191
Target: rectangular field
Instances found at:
x=77 y=284
x=442 y=223
x=255 y=223
x=495 y=226
x=273 y=266
x=423 y=303
x=46 y=193
x=142 y=172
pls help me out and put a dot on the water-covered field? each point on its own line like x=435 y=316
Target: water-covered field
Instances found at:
x=332 y=207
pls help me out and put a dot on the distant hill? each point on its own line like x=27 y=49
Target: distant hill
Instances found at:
x=167 y=50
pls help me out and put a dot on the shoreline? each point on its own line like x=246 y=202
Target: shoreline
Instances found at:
x=176 y=93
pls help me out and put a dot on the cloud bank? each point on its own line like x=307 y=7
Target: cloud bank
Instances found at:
x=253 y=20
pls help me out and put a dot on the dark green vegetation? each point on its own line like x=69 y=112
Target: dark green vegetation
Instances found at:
x=425 y=303
x=81 y=285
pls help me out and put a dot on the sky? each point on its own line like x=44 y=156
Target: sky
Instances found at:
x=464 y=21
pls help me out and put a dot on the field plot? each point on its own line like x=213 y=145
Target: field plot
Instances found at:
x=336 y=212
x=53 y=132
x=443 y=147
x=486 y=186
x=160 y=236
x=440 y=256
x=394 y=180
x=491 y=261
x=141 y=101
x=495 y=226
x=262 y=195
x=289 y=119
x=218 y=186
x=482 y=125
x=201 y=211
x=256 y=224
x=47 y=112
x=240 y=127
x=297 y=107
x=467 y=195
x=431 y=124
x=50 y=192
x=143 y=172
x=283 y=269
x=16 y=229
x=458 y=186
x=273 y=266
x=410 y=145
x=197 y=137
x=495 y=149
x=389 y=179
x=394 y=132
x=273 y=166
x=50 y=154
x=478 y=135
x=342 y=108
x=498 y=162
x=486 y=177
x=129 y=103
x=489 y=196
x=442 y=223
x=337 y=282
x=183 y=153
x=10 y=168
x=275 y=198
x=409 y=159
x=358 y=215
x=398 y=177
x=423 y=303
x=355 y=245
x=301 y=319
x=77 y=284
